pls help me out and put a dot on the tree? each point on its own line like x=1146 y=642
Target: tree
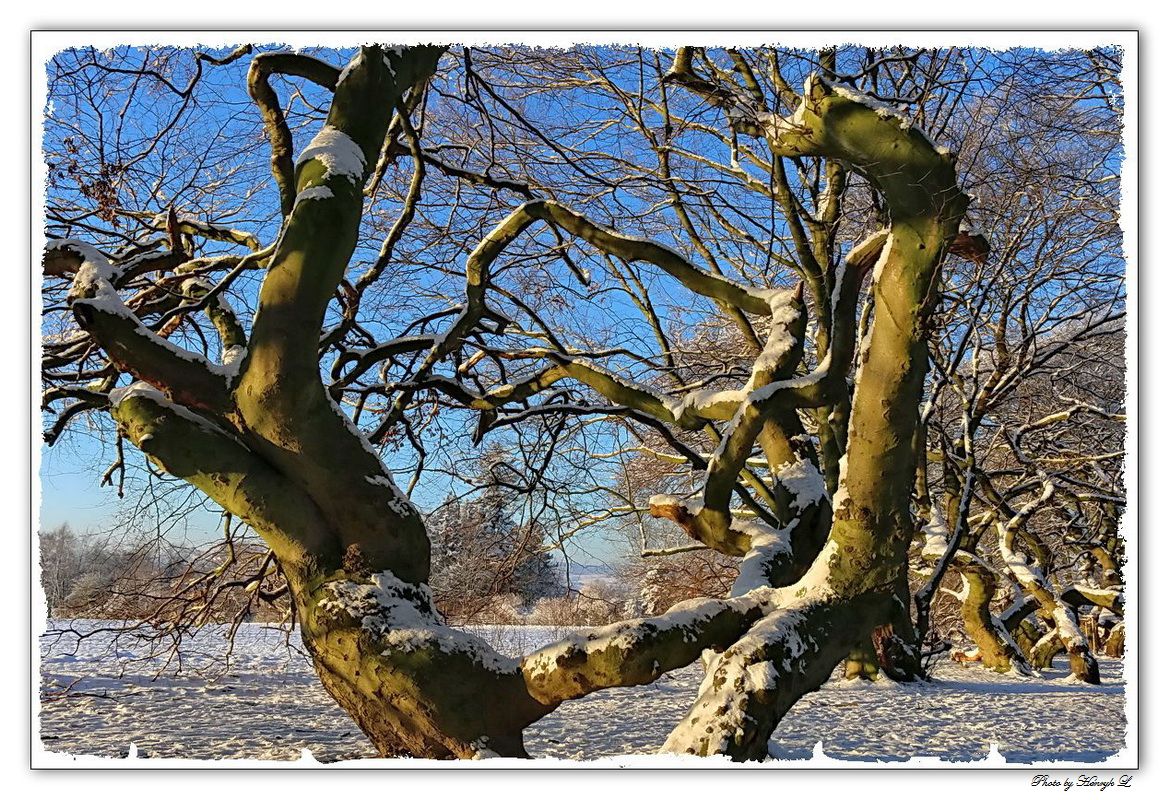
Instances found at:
x=61 y=564
x=479 y=551
x=1070 y=476
x=823 y=539
x=1026 y=338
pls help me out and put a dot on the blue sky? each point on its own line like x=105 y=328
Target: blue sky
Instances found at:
x=71 y=471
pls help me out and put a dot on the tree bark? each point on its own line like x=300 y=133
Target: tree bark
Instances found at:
x=262 y=438
x=998 y=649
x=1114 y=644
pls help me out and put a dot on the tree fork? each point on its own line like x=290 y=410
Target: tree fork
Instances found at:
x=419 y=687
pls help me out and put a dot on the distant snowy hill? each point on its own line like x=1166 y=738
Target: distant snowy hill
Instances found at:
x=579 y=574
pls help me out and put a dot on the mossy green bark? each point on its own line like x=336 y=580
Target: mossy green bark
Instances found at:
x=272 y=448
x=872 y=521
x=981 y=584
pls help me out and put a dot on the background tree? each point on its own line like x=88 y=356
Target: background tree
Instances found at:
x=1021 y=337
x=62 y=563
x=480 y=552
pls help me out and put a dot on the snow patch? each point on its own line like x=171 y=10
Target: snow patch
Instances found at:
x=767 y=545
x=803 y=481
x=194 y=716
x=937 y=535
x=337 y=153
x=315 y=193
x=761 y=677
x=764 y=393
x=136 y=389
x=357 y=59
x=779 y=341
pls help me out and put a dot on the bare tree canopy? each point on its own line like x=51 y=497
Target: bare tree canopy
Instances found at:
x=834 y=337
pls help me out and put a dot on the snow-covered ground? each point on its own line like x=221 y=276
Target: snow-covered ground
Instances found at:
x=99 y=696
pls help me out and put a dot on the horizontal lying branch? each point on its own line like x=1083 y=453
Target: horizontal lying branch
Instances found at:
x=637 y=652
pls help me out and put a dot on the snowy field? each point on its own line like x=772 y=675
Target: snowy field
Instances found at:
x=99 y=696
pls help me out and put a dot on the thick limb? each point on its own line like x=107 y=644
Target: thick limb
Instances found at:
x=639 y=651
x=420 y=688
x=998 y=648
x=781 y=658
x=280 y=397
x=187 y=378
x=872 y=526
x=205 y=453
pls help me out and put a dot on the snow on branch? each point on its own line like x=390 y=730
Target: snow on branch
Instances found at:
x=174 y=223
x=338 y=154
x=1046 y=592
x=263 y=66
x=749 y=686
x=402 y=618
x=637 y=652
x=187 y=377
x=710 y=525
x=768 y=546
x=804 y=482
x=883 y=111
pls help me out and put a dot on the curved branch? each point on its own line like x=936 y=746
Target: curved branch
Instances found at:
x=279 y=136
x=1046 y=593
x=632 y=248
x=280 y=396
x=612 y=387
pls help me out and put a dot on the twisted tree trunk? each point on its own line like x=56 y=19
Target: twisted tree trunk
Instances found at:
x=850 y=589
x=260 y=435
